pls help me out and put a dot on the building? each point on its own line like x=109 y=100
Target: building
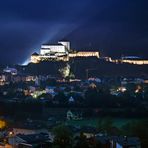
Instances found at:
x=118 y=142
x=53 y=51
x=85 y=54
x=29 y=141
x=29 y=130
x=125 y=142
x=132 y=60
x=3 y=79
x=60 y=52
x=12 y=71
x=35 y=58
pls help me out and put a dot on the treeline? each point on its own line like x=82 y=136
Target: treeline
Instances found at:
x=64 y=137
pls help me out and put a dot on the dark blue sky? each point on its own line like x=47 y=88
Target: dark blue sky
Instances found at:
x=113 y=26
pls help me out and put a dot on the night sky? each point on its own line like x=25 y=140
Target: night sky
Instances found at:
x=114 y=27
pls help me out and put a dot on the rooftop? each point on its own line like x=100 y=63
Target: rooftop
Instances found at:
x=126 y=141
x=35 y=54
x=53 y=44
x=34 y=138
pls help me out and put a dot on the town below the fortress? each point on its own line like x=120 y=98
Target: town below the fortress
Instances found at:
x=93 y=100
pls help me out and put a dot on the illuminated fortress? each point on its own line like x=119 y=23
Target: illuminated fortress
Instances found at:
x=60 y=52
x=63 y=52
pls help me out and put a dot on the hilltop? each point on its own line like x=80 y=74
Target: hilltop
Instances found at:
x=91 y=66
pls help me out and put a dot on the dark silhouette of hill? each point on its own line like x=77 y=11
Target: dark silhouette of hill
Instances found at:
x=102 y=68
x=81 y=67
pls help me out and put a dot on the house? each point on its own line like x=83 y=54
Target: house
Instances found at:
x=12 y=71
x=28 y=131
x=125 y=142
x=71 y=100
x=73 y=116
x=102 y=141
x=105 y=141
x=29 y=141
x=70 y=115
x=51 y=90
x=88 y=131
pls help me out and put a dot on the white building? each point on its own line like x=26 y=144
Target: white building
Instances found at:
x=62 y=48
x=13 y=71
x=66 y=44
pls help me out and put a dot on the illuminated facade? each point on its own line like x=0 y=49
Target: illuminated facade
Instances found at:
x=62 y=48
x=132 y=60
x=84 y=54
x=53 y=49
x=35 y=58
x=2 y=80
x=60 y=52
x=137 y=62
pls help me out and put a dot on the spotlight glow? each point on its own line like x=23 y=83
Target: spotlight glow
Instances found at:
x=26 y=62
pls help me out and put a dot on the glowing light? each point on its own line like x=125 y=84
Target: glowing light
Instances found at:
x=10 y=133
x=137 y=91
x=121 y=89
x=2 y=124
x=65 y=71
x=26 y=62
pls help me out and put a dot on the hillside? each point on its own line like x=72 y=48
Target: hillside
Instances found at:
x=80 y=66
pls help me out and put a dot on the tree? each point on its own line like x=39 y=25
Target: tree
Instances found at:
x=105 y=125
x=61 y=98
x=65 y=72
x=63 y=136
x=138 y=129
x=81 y=141
x=92 y=97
